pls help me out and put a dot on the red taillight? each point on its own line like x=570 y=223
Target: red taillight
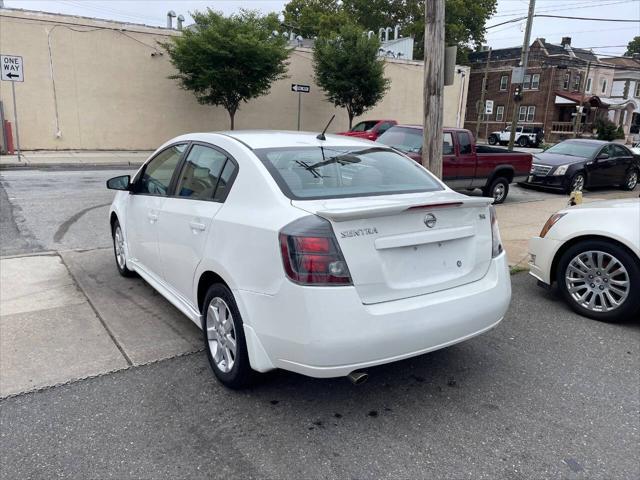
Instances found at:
x=311 y=255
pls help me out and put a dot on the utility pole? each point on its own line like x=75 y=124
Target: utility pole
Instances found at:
x=576 y=131
x=482 y=108
x=524 y=60
x=433 y=86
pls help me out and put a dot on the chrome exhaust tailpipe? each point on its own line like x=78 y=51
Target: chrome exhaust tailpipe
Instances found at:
x=358 y=378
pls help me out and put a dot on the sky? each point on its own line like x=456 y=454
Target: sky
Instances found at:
x=605 y=38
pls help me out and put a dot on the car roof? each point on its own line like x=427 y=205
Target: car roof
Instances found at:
x=587 y=141
x=283 y=138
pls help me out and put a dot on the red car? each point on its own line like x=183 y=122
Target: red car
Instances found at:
x=370 y=129
x=465 y=165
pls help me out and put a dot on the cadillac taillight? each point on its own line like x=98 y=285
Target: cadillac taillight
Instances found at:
x=311 y=254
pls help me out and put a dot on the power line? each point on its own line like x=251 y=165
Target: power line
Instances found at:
x=566 y=6
x=590 y=18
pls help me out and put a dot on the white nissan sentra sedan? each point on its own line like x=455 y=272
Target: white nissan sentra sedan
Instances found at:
x=318 y=256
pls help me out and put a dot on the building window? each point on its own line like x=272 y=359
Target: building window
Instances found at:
x=531 y=113
x=499 y=113
x=567 y=80
x=522 y=114
x=535 y=81
x=637 y=92
x=576 y=81
x=526 y=82
x=588 y=89
x=504 y=82
x=485 y=84
x=603 y=85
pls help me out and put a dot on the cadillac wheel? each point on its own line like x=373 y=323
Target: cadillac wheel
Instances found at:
x=597 y=278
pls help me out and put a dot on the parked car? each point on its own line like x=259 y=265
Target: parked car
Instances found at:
x=323 y=257
x=525 y=136
x=369 y=129
x=592 y=253
x=465 y=166
x=576 y=164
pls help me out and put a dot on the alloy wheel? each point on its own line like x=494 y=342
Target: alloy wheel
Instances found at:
x=597 y=281
x=498 y=192
x=578 y=183
x=221 y=334
x=118 y=243
x=632 y=180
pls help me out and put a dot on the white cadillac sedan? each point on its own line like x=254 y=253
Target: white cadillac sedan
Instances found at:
x=592 y=251
x=319 y=255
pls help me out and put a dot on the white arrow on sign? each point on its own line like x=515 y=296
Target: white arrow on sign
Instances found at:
x=11 y=68
x=295 y=87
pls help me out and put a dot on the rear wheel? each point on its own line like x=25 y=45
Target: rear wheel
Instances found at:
x=498 y=190
x=224 y=339
x=119 y=250
x=597 y=279
x=492 y=139
x=523 y=141
x=630 y=180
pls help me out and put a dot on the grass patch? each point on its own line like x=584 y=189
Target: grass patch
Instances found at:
x=517 y=269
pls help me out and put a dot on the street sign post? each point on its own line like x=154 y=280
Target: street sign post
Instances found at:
x=11 y=70
x=295 y=87
x=488 y=107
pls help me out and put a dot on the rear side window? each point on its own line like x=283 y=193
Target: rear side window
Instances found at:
x=465 y=143
x=156 y=177
x=364 y=126
x=403 y=138
x=307 y=173
x=199 y=176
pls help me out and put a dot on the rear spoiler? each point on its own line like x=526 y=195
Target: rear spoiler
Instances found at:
x=355 y=213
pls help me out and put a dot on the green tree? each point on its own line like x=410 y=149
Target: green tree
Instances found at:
x=465 y=19
x=311 y=18
x=225 y=61
x=348 y=69
x=633 y=46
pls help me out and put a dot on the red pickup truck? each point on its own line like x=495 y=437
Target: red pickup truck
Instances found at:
x=465 y=165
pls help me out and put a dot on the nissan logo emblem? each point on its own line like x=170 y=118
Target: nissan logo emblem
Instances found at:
x=430 y=220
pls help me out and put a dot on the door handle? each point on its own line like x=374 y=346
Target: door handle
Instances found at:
x=197 y=226
x=152 y=216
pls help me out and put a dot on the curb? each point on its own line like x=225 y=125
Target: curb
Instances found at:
x=78 y=166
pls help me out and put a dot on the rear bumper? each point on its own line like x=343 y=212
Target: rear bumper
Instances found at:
x=328 y=332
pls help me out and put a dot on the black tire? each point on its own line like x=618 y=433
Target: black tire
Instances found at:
x=241 y=374
x=630 y=308
x=498 y=189
x=630 y=180
x=575 y=182
x=121 y=265
x=492 y=139
x=523 y=141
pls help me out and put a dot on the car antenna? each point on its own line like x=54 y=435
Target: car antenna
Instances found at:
x=321 y=135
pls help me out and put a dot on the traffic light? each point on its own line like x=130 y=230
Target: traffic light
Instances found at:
x=517 y=93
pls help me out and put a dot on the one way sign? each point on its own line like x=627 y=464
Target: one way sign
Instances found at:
x=296 y=87
x=11 y=68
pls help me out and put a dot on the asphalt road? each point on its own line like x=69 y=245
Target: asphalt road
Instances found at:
x=547 y=394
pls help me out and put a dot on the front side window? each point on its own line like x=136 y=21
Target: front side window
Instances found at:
x=384 y=127
x=156 y=177
x=504 y=81
x=307 y=173
x=465 y=143
x=447 y=144
x=200 y=173
x=499 y=113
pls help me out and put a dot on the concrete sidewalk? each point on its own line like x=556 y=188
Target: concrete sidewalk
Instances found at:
x=74 y=158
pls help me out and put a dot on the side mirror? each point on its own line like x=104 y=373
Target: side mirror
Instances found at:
x=602 y=156
x=123 y=182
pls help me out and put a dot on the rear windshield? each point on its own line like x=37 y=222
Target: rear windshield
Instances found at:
x=305 y=173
